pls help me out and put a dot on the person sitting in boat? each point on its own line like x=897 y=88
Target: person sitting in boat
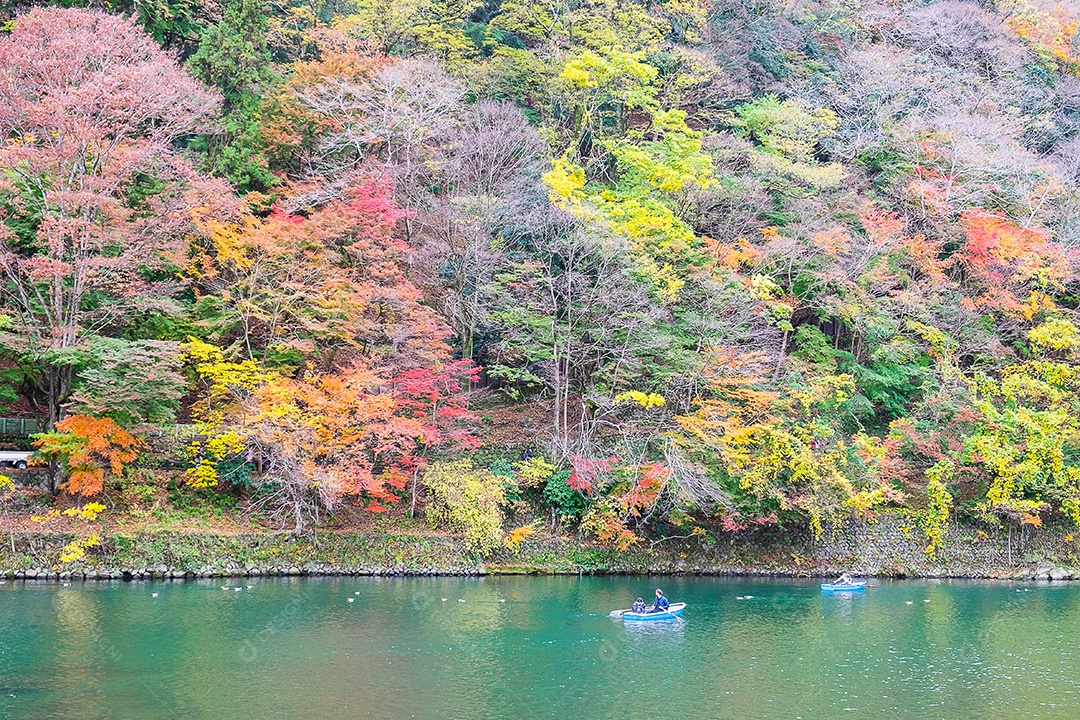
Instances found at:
x=639 y=606
x=661 y=604
x=844 y=579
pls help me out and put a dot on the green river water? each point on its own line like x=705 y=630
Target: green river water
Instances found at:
x=523 y=647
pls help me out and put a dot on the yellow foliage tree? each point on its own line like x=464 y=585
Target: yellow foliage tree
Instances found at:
x=783 y=451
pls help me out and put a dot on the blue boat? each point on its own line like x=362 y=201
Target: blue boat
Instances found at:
x=846 y=587
x=672 y=613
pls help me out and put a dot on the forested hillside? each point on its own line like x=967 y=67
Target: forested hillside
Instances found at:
x=635 y=268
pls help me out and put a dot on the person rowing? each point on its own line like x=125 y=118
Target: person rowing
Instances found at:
x=844 y=579
x=661 y=603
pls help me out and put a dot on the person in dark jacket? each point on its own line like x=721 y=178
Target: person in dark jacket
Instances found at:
x=661 y=603
x=639 y=606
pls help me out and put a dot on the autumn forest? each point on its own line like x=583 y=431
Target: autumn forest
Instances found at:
x=627 y=269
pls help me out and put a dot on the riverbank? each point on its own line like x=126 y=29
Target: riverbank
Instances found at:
x=889 y=547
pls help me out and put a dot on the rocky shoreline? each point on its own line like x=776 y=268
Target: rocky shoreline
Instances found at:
x=1044 y=572
x=890 y=547
x=162 y=572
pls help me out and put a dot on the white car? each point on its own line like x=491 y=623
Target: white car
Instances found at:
x=14 y=458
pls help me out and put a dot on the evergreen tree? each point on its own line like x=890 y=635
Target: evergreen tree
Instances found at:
x=233 y=57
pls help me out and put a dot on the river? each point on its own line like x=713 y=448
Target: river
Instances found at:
x=527 y=647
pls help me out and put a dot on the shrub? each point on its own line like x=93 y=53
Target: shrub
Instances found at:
x=515 y=537
x=534 y=471
x=468 y=500
x=567 y=502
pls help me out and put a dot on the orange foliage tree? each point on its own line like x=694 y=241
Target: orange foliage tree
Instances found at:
x=328 y=367
x=1011 y=269
x=353 y=433
x=633 y=496
x=87 y=448
x=322 y=437
x=333 y=280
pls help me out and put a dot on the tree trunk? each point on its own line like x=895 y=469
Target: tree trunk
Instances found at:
x=566 y=395
x=781 y=357
x=60 y=381
x=467 y=349
x=557 y=382
x=412 y=505
x=1008 y=543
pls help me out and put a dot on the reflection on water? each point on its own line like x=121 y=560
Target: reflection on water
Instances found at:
x=654 y=627
x=536 y=648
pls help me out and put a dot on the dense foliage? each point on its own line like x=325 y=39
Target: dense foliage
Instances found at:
x=716 y=264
